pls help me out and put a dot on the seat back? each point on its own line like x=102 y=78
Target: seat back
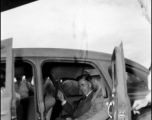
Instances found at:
x=71 y=88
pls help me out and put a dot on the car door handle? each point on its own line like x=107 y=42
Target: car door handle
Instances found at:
x=110 y=104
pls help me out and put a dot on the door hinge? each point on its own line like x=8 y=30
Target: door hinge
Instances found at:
x=121 y=115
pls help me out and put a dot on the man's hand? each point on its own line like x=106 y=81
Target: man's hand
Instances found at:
x=61 y=96
x=138 y=104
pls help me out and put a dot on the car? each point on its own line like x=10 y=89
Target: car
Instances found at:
x=124 y=81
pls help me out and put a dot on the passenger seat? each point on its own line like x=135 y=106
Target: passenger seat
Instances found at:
x=71 y=88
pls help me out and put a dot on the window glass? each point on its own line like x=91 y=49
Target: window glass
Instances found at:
x=65 y=75
x=23 y=75
x=133 y=81
x=133 y=78
x=65 y=72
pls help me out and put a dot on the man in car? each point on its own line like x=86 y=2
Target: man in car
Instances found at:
x=83 y=105
x=99 y=109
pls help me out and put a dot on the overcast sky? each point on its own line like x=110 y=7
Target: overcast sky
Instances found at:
x=98 y=25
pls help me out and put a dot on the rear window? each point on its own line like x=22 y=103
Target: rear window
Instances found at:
x=133 y=80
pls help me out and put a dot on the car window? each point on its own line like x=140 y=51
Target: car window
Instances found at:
x=133 y=80
x=23 y=71
x=65 y=75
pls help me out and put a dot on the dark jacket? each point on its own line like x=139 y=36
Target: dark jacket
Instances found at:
x=79 y=107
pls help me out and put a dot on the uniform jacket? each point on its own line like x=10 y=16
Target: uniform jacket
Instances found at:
x=79 y=108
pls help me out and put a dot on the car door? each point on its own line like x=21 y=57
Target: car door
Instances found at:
x=8 y=106
x=120 y=103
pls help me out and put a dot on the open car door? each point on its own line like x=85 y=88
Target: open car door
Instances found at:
x=120 y=103
x=8 y=106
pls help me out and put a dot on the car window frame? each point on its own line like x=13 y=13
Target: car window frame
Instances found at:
x=92 y=62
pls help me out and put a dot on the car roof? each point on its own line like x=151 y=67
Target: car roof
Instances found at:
x=69 y=53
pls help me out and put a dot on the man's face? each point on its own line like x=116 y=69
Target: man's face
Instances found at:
x=84 y=86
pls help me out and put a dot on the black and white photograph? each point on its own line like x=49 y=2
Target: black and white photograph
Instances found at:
x=75 y=60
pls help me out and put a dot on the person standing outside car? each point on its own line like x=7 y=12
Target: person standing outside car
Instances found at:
x=138 y=104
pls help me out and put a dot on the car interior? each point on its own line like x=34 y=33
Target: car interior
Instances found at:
x=55 y=76
x=24 y=70
x=65 y=79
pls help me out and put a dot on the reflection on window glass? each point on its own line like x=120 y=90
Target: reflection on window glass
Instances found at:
x=135 y=82
x=133 y=79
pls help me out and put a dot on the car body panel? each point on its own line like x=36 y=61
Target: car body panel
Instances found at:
x=68 y=53
x=121 y=108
